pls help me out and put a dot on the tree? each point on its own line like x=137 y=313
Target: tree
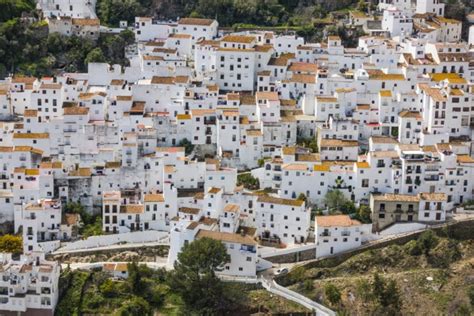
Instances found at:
x=348 y=207
x=10 y=9
x=11 y=243
x=108 y=289
x=111 y=12
x=426 y=241
x=248 y=181
x=134 y=277
x=378 y=285
x=194 y=279
x=390 y=296
x=95 y=56
x=386 y=293
x=332 y=293
x=362 y=6
x=364 y=214
x=334 y=199
x=188 y=146
x=92 y=229
x=310 y=143
x=135 y=306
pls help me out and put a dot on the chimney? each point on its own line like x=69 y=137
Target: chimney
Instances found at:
x=242 y=232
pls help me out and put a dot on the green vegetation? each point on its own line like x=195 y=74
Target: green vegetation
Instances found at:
x=27 y=48
x=248 y=181
x=95 y=293
x=336 y=201
x=301 y=16
x=310 y=143
x=332 y=294
x=111 y=12
x=91 y=223
x=10 y=9
x=363 y=214
x=386 y=294
x=11 y=243
x=194 y=279
x=188 y=146
x=191 y=289
x=301 y=197
x=431 y=273
x=260 y=12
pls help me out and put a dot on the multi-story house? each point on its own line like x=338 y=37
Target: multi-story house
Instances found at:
x=336 y=233
x=28 y=285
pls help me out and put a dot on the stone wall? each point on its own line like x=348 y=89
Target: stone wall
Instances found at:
x=293 y=257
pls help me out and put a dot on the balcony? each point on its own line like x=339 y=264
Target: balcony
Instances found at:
x=325 y=234
x=211 y=121
x=45 y=290
x=432 y=178
x=345 y=233
x=248 y=248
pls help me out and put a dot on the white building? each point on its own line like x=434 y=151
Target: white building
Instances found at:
x=336 y=233
x=281 y=220
x=28 y=285
x=430 y=6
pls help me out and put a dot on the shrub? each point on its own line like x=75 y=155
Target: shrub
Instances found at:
x=332 y=293
x=363 y=290
x=248 y=181
x=426 y=241
x=135 y=306
x=11 y=243
x=470 y=293
x=308 y=285
x=108 y=289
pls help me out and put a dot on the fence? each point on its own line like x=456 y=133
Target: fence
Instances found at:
x=275 y=288
x=92 y=242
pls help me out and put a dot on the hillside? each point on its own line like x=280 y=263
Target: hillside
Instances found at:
x=432 y=275
x=227 y=12
x=94 y=293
